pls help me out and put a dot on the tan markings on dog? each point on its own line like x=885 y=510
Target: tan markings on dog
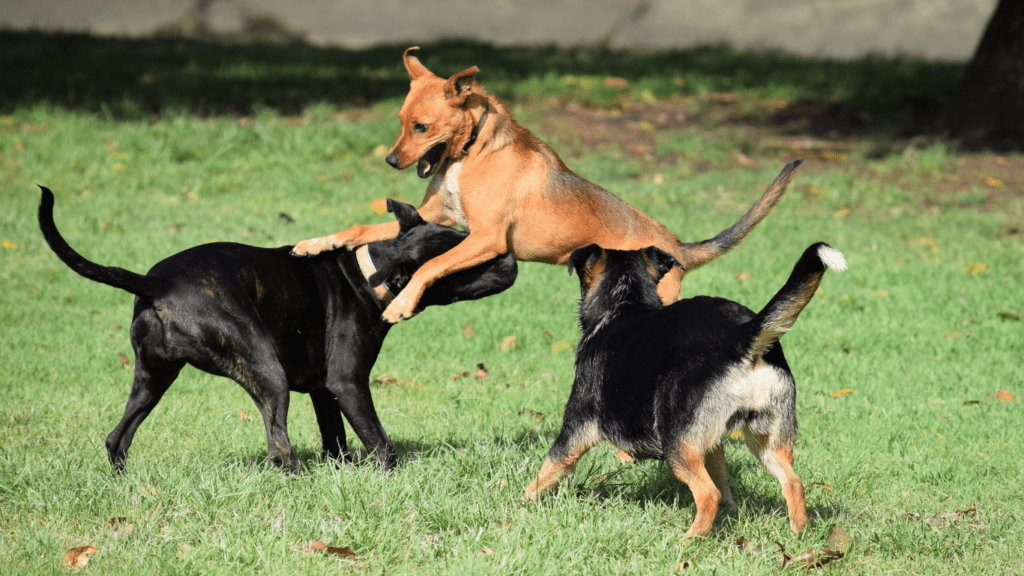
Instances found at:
x=552 y=471
x=687 y=463
x=515 y=194
x=778 y=460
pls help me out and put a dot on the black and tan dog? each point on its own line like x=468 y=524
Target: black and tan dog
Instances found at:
x=276 y=324
x=668 y=382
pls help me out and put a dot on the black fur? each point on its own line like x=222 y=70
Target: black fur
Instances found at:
x=275 y=324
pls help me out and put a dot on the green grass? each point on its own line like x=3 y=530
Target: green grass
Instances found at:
x=922 y=341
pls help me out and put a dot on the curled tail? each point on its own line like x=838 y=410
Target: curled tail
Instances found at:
x=143 y=286
x=779 y=315
x=695 y=254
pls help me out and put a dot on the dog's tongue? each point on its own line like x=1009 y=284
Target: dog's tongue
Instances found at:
x=424 y=168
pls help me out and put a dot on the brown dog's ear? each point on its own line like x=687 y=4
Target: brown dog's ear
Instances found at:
x=412 y=64
x=659 y=262
x=406 y=215
x=459 y=85
x=581 y=258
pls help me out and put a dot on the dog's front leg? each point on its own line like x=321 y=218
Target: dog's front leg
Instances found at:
x=350 y=238
x=474 y=249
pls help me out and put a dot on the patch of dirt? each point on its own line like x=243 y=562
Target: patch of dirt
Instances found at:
x=828 y=134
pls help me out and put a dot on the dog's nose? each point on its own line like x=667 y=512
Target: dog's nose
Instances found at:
x=392 y=160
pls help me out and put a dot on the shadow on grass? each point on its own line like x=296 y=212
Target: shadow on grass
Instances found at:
x=128 y=79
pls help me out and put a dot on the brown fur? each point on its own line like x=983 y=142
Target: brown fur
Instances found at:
x=512 y=193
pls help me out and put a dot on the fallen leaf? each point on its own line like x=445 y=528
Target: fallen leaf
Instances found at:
x=615 y=82
x=1004 y=396
x=314 y=546
x=345 y=552
x=502 y=484
x=503 y=524
x=842 y=392
x=561 y=347
x=148 y=490
x=976 y=268
x=485 y=551
x=509 y=343
x=243 y=416
x=838 y=539
x=9 y=245
x=532 y=414
x=746 y=161
x=120 y=526
x=379 y=206
x=469 y=332
x=820 y=485
x=681 y=566
x=124 y=361
x=77 y=558
x=386 y=381
x=481 y=371
x=744 y=276
x=625 y=458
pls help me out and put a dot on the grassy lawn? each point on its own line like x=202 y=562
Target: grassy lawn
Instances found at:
x=153 y=147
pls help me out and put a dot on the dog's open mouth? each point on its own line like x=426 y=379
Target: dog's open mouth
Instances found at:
x=429 y=162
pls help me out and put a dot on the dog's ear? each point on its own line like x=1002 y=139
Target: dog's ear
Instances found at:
x=413 y=65
x=406 y=215
x=460 y=85
x=658 y=262
x=581 y=258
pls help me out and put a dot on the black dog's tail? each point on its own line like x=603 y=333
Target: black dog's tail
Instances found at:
x=144 y=286
x=695 y=254
x=779 y=315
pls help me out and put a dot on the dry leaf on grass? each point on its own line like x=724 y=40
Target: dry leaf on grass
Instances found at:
x=842 y=392
x=468 y=331
x=532 y=414
x=509 y=343
x=487 y=551
x=561 y=347
x=124 y=361
x=120 y=526
x=1004 y=396
x=314 y=546
x=77 y=558
x=148 y=490
x=481 y=371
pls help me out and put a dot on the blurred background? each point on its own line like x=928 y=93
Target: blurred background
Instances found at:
x=935 y=29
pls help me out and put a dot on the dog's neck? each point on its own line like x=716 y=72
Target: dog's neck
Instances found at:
x=620 y=290
x=476 y=129
x=367 y=267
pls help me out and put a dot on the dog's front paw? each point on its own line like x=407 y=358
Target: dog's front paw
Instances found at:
x=401 y=308
x=313 y=246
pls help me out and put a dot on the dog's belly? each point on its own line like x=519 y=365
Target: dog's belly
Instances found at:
x=451 y=194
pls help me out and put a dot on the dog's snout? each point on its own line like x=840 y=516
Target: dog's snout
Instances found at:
x=392 y=160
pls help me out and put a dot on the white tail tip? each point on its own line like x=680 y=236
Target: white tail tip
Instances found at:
x=832 y=258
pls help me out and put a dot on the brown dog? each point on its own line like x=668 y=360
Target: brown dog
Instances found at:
x=512 y=193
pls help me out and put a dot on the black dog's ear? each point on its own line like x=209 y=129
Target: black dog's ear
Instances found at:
x=659 y=262
x=406 y=215
x=581 y=257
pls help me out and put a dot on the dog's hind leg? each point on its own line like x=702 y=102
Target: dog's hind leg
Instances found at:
x=687 y=463
x=332 y=427
x=148 y=388
x=778 y=459
x=715 y=463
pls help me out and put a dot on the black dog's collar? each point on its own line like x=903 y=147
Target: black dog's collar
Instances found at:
x=367 y=268
x=476 y=129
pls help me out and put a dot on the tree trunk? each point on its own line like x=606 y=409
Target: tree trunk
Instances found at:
x=987 y=109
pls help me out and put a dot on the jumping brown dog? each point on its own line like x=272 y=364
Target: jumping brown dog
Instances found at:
x=512 y=193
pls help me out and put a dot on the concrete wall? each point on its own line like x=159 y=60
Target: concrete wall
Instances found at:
x=938 y=29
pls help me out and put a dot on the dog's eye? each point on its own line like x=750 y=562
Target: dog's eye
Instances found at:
x=420 y=128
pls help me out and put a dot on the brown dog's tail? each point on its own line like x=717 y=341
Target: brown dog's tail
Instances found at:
x=696 y=254
x=779 y=315
x=143 y=286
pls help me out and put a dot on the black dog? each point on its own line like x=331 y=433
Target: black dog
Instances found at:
x=274 y=324
x=668 y=382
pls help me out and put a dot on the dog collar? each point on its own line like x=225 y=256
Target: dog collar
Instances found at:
x=476 y=129
x=367 y=268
